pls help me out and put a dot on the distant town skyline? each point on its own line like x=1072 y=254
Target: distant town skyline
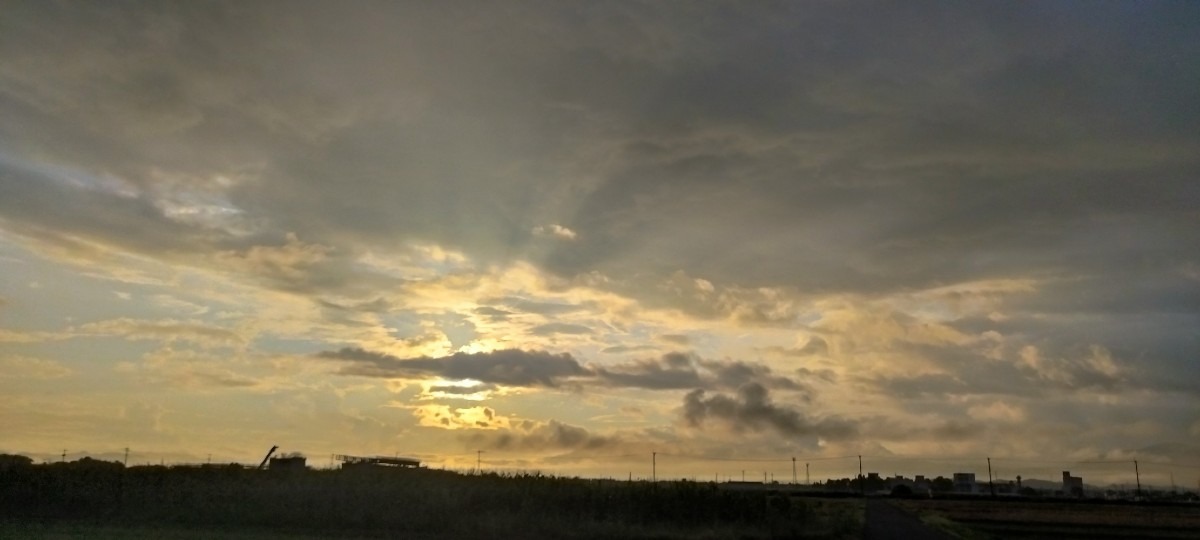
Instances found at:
x=570 y=236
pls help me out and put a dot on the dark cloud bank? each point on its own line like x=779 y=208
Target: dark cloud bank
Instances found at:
x=751 y=409
x=748 y=408
x=514 y=367
x=878 y=147
x=534 y=436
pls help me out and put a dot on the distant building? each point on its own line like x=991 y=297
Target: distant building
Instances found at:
x=1072 y=485
x=922 y=485
x=290 y=462
x=377 y=461
x=874 y=483
x=750 y=485
x=964 y=482
x=899 y=485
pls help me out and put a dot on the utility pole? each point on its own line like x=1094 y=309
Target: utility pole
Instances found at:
x=862 y=481
x=653 y=466
x=479 y=462
x=806 y=479
x=991 y=487
x=64 y=455
x=126 y=462
x=743 y=475
x=793 y=470
x=1138 y=476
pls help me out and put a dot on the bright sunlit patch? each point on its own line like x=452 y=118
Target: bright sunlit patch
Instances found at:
x=466 y=389
x=445 y=417
x=476 y=347
x=556 y=231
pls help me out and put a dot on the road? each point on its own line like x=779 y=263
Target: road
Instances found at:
x=886 y=522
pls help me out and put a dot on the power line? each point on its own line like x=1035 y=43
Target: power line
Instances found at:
x=1023 y=460
x=749 y=460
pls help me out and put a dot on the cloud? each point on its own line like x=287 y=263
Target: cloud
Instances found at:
x=751 y=409
x=508 y=367
x=533 y=436
x=1024 y=372
x=569 y=138
x=378 y=305
x=18 y=336
x=675 y=339
x=910 y=223
x=287 y=262
x=525 y=305
x=513 y=367
x=954 y=430
x=469 y=392
x=193 y=369
x=672 y=371
x=461 y=390
x=444 y=417
x=815 y=346
x=25 y=367
x=735 y=374
x=934 y=384
x=685 y=371
x=492 y=313
x=1095 y=368
x=620 y=349
x=165 y=330
x=550 y=329
x=998 y=411
x=555 y=231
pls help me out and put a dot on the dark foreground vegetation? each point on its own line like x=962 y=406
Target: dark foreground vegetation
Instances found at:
x=984 y=519
x=91 y=497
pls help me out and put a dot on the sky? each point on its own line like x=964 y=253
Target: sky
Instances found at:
x=579 y=237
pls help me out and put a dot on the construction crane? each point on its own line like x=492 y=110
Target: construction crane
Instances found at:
x=268 y=456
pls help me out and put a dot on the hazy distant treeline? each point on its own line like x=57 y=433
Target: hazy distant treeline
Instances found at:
x=424 y=503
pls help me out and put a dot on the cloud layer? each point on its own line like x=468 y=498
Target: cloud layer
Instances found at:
x=514 y=367
x=925 y=228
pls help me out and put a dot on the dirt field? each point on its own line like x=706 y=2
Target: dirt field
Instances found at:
x=985 y=518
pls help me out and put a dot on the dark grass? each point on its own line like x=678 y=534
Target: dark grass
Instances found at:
x=423 y=503
x=984 y=518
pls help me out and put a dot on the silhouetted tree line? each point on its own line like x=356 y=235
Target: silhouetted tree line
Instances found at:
x=873 y=484
x=421 y=502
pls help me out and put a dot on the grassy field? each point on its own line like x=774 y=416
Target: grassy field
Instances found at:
x=71 y=531
x=185 y=503
x=987 y=519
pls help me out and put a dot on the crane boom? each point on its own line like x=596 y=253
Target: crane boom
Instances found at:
x=268 y=456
